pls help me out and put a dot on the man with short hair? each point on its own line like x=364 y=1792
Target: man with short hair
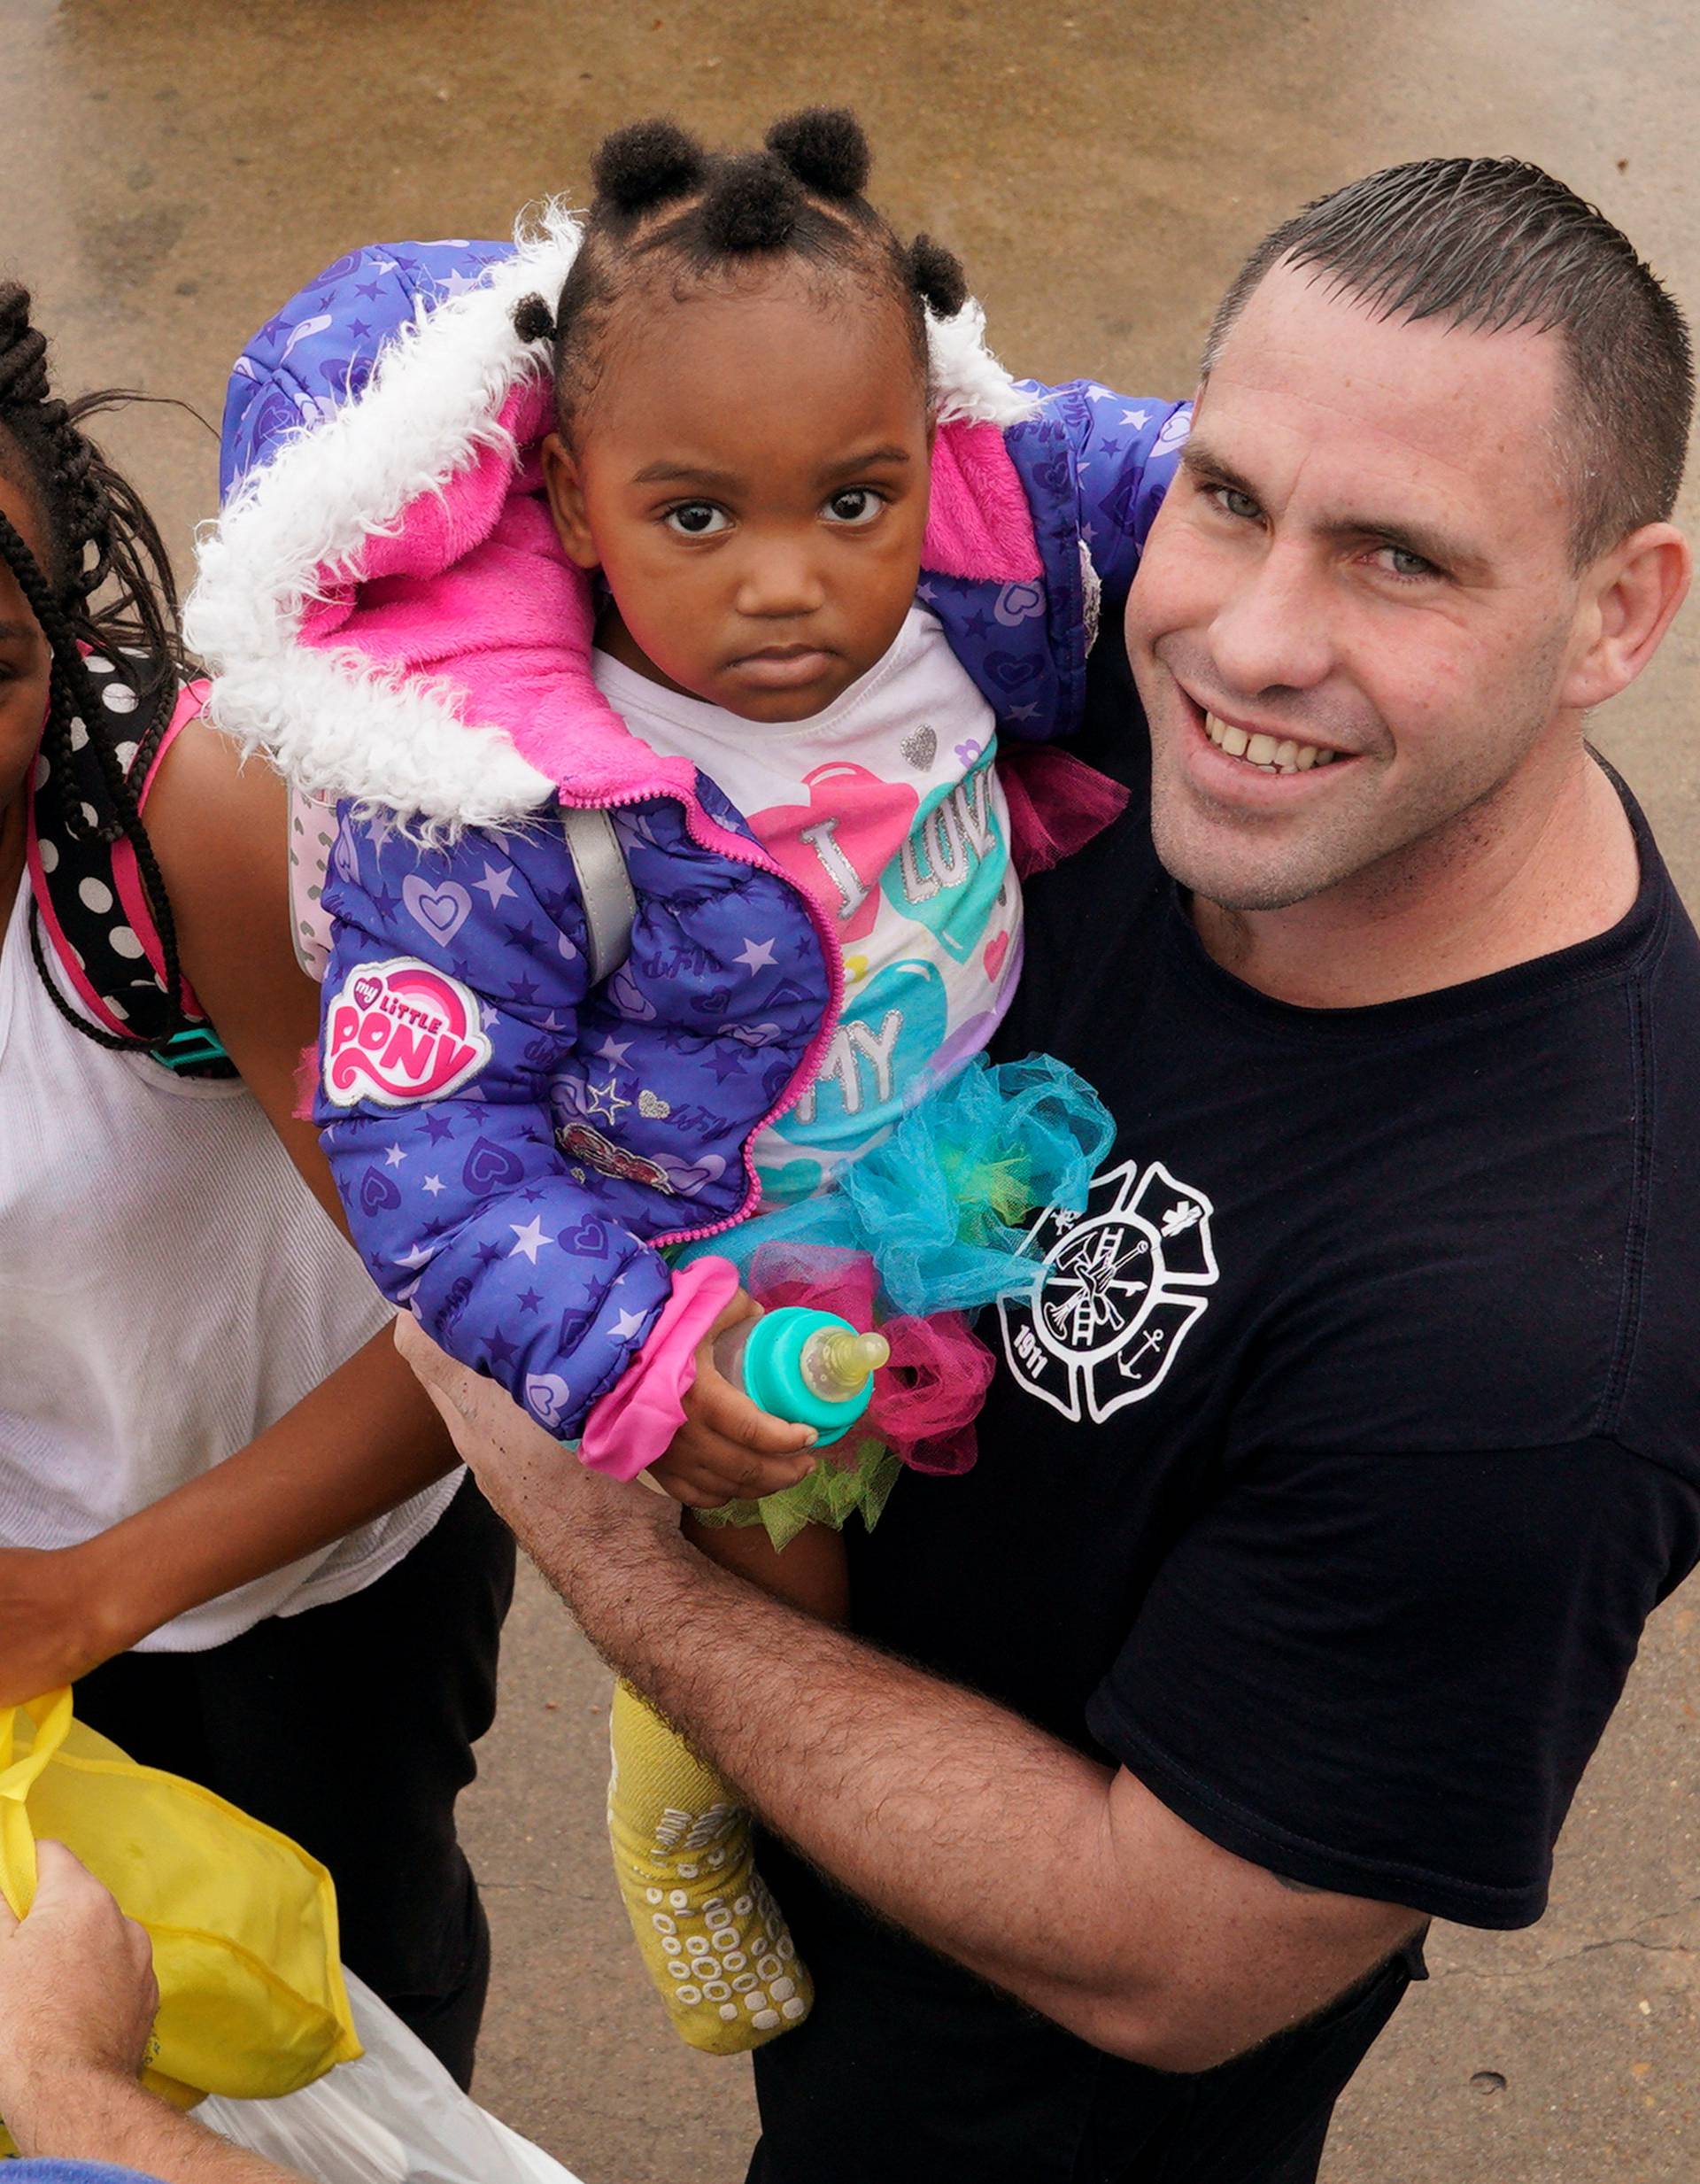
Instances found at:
x=1348 y=1438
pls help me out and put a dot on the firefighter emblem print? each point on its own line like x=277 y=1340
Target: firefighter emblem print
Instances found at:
x=1118 y=1287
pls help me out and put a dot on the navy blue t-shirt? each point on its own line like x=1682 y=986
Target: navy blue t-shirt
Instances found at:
x=1334 y=1466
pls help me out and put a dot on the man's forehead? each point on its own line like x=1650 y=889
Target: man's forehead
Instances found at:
x=1315 y=367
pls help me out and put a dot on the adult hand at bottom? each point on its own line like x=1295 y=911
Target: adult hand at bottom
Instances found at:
x=77 y=1992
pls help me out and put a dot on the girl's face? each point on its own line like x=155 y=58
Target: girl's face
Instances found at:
x=25 y=659
x=751 y=476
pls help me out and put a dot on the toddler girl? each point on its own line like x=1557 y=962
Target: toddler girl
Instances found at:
x=759 y=570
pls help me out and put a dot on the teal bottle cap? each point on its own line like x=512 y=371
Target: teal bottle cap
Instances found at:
x=776 y=1371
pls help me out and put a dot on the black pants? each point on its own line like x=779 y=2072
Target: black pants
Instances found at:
x=350 y=1728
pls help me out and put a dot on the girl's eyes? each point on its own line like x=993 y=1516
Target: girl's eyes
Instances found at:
x=855 y=504
x=696 y=519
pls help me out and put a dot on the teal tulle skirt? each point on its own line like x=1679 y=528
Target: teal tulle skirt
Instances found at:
x=915 y=1237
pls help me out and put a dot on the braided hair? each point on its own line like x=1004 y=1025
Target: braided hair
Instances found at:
x=664 y=208
x=100 y=539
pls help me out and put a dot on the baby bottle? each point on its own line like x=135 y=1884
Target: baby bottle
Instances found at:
x=809 y=1367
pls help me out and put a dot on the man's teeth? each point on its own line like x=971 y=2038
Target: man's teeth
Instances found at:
x=1265 y=752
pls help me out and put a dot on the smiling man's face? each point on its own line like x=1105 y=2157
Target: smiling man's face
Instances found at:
x=1355 y=614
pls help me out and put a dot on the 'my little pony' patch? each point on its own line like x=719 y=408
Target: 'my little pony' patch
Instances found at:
x=400 y=1032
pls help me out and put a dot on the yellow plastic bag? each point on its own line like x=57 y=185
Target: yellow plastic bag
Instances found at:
x=243 y=1921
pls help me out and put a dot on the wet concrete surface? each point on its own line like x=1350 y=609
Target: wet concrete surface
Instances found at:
x=171 y=171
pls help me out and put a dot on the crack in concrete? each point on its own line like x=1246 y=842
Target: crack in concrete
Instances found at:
x=1566 y=1956
x=1634 y=1941
x=1587 y=1949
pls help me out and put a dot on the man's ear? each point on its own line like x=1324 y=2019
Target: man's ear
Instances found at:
x=1629 y=599
x=566 y=503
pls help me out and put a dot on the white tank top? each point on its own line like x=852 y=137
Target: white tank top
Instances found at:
x=168 y=1288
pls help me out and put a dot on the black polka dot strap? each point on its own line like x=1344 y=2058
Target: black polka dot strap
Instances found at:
x=90 y=908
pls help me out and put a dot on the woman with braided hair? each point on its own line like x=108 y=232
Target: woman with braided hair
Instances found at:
x=226 y=1512
x=719 y=519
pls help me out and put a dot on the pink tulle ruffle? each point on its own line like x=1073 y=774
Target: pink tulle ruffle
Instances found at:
x=926 y=1400
x=1056 y=802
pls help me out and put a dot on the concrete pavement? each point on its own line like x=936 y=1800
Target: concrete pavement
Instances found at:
x=171 y=171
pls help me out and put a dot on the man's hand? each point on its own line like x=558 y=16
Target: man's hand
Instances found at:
x=50 y=1629
x=77 y=1994
x=559 y=1510
x=728 y=1450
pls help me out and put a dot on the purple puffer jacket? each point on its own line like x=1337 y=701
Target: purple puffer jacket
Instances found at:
x=387 y=614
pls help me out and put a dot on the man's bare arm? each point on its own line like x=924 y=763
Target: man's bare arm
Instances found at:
x=96 y=2116
x=1063 y=1881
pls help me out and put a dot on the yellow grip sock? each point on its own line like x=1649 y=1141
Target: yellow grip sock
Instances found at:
x=710 y=1935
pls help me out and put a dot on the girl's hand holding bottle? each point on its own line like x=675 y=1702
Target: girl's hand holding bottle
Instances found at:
x=814 y=1373
x=728 y=1450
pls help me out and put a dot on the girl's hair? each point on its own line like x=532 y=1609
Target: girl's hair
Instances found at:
x=665 y=210
x=100 y=539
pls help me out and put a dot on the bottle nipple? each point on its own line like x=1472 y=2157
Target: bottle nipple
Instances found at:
x=838 y=1364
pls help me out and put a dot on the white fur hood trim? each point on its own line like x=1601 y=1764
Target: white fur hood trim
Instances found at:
x=969 y=383
x=334 y=724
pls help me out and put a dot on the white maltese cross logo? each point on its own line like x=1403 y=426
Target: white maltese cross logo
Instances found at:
x=1117 y=1287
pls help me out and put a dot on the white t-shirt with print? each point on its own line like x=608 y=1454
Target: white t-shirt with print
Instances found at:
x=886 y=808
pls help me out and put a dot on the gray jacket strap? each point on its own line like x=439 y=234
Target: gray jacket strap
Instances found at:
x=605 y=887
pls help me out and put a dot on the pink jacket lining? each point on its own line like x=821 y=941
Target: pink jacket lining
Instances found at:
x=634 y=1424
x=471 y=585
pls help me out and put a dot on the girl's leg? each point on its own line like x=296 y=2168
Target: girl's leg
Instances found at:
x=713 y=1941
x=811 y=1573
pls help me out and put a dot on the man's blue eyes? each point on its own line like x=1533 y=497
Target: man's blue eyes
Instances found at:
x=1401 y=562
x=1399 y=555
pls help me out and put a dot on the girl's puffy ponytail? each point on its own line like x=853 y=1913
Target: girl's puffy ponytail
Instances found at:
x=825 y=149
x=753 y=203
x=937 y=277
x=646 y=165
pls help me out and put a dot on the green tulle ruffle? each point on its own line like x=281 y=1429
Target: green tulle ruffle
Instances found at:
x=832 y=1493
